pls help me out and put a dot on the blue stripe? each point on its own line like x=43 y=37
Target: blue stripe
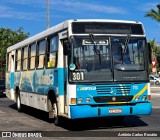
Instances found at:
x=61 y=81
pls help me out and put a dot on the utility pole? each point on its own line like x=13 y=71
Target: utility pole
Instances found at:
x=47 y=13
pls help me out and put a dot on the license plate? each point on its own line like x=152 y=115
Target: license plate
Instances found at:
x=115 y=111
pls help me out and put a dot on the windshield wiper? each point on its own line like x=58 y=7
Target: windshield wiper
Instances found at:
x=95 y=47
x=124 y=47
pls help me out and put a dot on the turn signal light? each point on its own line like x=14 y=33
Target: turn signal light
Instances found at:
x=73 y=101
x=149 y=97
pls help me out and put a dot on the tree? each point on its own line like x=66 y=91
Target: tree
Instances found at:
x=154 y=48
x=155 y=53
x=155 y=15
x=8 y=38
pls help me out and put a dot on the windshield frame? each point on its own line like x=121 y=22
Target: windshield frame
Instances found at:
x=126 y=53
x=112 y=67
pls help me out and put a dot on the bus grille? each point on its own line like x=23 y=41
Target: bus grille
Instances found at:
x=104 y=99
x=118 y=89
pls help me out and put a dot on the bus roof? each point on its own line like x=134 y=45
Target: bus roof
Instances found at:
x=106 y=20
x=60 y=27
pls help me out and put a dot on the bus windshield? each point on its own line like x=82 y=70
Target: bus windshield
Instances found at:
x=128 y=53
x=100 y=58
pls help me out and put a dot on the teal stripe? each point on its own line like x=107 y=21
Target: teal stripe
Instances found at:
x=61 y=81
x=12 y=80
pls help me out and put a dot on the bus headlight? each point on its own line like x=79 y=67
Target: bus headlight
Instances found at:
x=80 y=100
x=137 y=98
x=88 y=100
x=144 y=98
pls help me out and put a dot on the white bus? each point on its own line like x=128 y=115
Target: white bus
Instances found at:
x=70 y=70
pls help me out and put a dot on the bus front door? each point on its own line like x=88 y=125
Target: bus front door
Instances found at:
x=63 y=63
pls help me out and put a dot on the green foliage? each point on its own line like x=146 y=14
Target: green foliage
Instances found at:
x=155 y=15
x=150 y=68
x=155 y=53
x=154 y=48
x=8 y=38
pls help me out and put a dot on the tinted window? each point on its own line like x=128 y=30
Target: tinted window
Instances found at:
x=9 y=62
x=25 y=58
x=32 y=56
x=107 y=28
x=52 y=52
x=41 y=54
x=18 y=60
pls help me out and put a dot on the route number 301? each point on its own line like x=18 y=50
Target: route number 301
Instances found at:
x=77 y=76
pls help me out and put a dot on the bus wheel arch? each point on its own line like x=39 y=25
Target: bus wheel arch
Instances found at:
x=53 y=107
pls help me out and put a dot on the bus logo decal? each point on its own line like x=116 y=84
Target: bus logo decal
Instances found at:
x=113 y=91
x=88 y=88
x=47 y=80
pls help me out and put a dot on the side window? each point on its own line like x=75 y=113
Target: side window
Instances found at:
x=9 y=62
x=24 y=58
x=41 y=54
x=18 y=60
x=52 y=52
x=32 y=56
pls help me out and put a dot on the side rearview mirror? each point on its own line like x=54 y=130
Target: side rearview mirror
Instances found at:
x=66 y=47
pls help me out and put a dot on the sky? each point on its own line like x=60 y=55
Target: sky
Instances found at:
x=31 y=14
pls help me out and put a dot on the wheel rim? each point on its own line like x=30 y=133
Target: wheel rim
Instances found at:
x=157 y=82
x=18 y=102
x=55 y=110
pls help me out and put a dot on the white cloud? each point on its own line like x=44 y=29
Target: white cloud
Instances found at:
x=148 y=6
x=22 y=2
x=9 y=12
x=75 y=5
x=70 y=6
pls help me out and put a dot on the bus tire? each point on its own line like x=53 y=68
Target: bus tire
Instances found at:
x=18 y=101
x=55 y=112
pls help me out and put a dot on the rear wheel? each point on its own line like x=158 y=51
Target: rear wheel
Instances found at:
x=54 y=113
x=19 y=105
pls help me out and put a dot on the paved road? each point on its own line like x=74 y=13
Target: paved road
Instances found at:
x=155 y=90
x=35 y=120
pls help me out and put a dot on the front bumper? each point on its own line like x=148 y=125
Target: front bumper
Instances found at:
x=87 y=111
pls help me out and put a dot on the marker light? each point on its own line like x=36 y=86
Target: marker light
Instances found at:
x=149 y=97
x=73 y=101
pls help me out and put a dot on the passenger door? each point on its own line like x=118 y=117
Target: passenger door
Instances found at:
x=63 y=63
